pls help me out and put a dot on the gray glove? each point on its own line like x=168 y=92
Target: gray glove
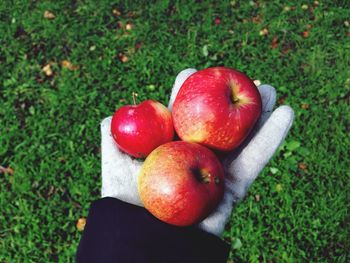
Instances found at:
x=242 y=166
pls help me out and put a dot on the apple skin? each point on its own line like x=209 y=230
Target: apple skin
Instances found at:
x=216 y=107
x=139 y=129
x=181 y=183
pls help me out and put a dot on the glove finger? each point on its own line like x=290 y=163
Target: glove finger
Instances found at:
x=268 y=98
x=180 y=79
x=244 y=168
x=119 y=170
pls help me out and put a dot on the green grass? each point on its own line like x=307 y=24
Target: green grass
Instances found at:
x=49 y=126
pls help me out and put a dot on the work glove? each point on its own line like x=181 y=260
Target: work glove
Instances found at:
x=241 y=166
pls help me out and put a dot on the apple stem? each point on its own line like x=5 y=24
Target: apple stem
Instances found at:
x=134 y=95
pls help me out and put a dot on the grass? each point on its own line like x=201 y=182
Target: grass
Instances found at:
x=297 y=210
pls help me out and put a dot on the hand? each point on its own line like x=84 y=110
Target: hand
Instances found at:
x=242 y=166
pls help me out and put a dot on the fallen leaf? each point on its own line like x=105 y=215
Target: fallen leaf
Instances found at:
x=129 y=26
x=285 y=49
x=68 y=65
x=131 y=14
x=282 y=100
x=304 y=7
x=316 y=3
x=138 y=45
x=286 y=8
x=256 y=19
x=257 y=198
x=120 y=24
x=308 y=26
x=264 y=32
x=123 y=58
x=6 y=170
x=49 y=15
x=302 y=166
x=81 y=224
x=305 y=106
x=116 y=12
x=47 y=70
x=274 y=43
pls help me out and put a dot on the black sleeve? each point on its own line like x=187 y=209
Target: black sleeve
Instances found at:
x=120 y=232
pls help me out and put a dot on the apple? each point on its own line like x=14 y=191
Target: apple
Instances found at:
x=180 y=183
x=216 y=107
x=139 y=129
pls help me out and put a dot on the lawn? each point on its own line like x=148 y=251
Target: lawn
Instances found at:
x=65 y=65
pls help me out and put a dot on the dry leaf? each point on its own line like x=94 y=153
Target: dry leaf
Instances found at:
x=131 y=14
x=5 y=170
x=67 y=64
x=81 y=224
x=316 y=3
x=257 y=198
x=47 y=70
x=264 y=32
x=304 y=7
x=256 y=19
x=302 y=166
x=138 y=45
x=123 y=58
x=120 y=24
x=282 y=100
x=305 y=106
x=116 y=12
x=274 y=43
x=49 y=15
x=129 y=26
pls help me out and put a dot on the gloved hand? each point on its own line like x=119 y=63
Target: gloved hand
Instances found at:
x=242 y=166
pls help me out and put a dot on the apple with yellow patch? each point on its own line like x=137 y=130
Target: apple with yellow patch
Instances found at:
x=180 y=183
x=139 y=129
x=216 y=107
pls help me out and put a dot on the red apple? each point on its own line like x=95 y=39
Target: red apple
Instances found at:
x=180 y=183
x=216 y=107
x=139 y=129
